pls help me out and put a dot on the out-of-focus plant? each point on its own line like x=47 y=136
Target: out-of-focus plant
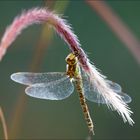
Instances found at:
x=117 y=26
x=4 y=126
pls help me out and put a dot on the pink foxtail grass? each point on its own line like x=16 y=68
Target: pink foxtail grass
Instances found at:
x=99 y=81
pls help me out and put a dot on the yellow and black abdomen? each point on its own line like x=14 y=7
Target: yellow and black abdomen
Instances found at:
x=79 y=87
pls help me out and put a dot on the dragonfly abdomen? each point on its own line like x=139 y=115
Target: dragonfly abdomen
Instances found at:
x=83 y=103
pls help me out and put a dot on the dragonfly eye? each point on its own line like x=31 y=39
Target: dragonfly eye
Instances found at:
x=71 y=59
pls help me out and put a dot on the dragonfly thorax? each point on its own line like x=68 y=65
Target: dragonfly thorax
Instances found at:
x=72 y=65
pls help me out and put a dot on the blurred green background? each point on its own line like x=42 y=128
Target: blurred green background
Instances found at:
x=29 y=118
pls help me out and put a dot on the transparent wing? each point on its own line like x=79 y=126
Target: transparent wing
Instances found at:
x=55 y=90
x=92 y=94
x=116 y=87
x=51 y=86
x=27 y=78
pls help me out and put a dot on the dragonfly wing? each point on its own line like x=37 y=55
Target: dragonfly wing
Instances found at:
x=115 y=86
x=125 y=97
x=56 y=90
x=92 y=94
x=95 y=97
x=27 y=78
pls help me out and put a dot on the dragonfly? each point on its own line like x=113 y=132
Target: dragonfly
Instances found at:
x=60 y=85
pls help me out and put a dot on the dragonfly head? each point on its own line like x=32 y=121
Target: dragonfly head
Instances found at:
x=71 y=59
